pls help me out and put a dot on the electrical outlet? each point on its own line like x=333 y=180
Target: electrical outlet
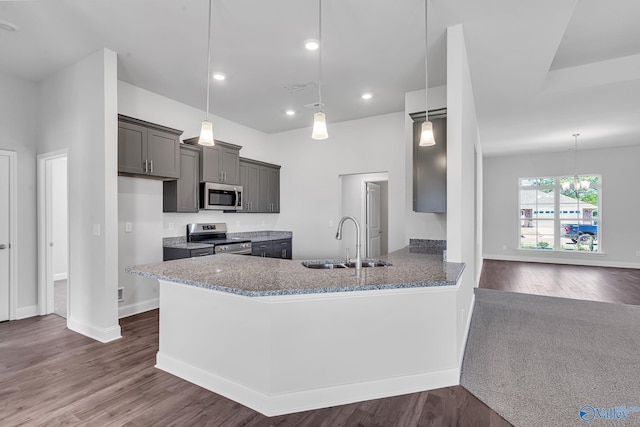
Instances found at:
x=330 y=223
x=96 y=229
x=128 y=227
x=172 y=226
x=120 y=294
x=637 y=253
x=504 y=247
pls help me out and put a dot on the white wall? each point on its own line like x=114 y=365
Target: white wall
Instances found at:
x=59 y=218
x=310 y=184
x=18 y=132
x=78 y=111
x=462 y=175
x=620 y=204
x=421 y=225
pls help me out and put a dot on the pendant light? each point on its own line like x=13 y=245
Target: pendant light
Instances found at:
x=576 y=185
x=319 y=119
x=206 y=131
x=426 y=134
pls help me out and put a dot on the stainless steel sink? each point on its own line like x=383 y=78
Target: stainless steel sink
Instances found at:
x=328 y=265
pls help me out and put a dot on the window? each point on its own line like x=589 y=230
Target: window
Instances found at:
x=560 y=213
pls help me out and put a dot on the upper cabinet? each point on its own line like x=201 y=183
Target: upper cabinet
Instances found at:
x=430 y=165
x=219 y=163
x=148 y=150
x=182 y=195
x=260 y=185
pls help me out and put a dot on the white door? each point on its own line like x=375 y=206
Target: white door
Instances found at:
x=373 y=220
x=4 y=238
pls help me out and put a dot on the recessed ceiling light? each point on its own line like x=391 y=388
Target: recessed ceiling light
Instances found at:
x=367 y=95
x=311 y=44
x=8 y=26
x=219 y=76
x=290 y=112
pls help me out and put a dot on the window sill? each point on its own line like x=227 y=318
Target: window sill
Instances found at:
x=559 y=251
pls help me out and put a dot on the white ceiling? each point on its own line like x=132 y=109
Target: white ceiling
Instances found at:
x=541 y=70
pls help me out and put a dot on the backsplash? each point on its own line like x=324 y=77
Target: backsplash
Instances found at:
x=428 y=243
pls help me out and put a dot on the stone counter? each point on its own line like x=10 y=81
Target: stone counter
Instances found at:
x=256 y=276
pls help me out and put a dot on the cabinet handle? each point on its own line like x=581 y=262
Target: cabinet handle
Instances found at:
x=151 y=167
x=225 y=176
x=221 y=177
x=146 y=167
x=3 y=246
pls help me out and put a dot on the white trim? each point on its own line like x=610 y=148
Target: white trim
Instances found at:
x=13 y=232
x=138 y=307
x=45 y=270
x=287 y=403
x=575 y=261
x=466 y=332
x=60 y=276
x=103 y=335
x=24 y=312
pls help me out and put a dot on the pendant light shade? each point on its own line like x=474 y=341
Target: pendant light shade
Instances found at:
x=426 y=135
x=206 y=134
x=206 y=130
x=319 y=126
x=319 y=119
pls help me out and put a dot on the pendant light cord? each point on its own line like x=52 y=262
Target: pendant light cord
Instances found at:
x=320 y=55
x=208 y=59
x=426 y=62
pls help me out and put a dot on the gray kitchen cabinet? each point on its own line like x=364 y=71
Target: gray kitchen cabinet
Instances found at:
x=261 y=186
x=269 y=189
x=219 y=163
x=182 y=195
x=170 y=253
x=430 y=165
x=250 y=181
x=282 y=248
x=263 y=249
x=147 y=149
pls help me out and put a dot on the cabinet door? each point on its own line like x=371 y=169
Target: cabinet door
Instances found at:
x=188 y=185
x=210 y=165
x=274 y=190
x=230 y=167
x=249 y=180
x=263 y=249
x=132 y=148
x=282 y=249
x=263 y=190
x=163 y=153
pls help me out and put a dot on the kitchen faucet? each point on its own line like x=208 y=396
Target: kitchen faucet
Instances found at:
x=339 y=237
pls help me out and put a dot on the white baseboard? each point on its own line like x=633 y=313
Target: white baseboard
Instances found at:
x=60 y=276
x=466 y=332
x=138 y=307
x=24 y=312
x=103 y=335
x=582 y=261
x=272 y=405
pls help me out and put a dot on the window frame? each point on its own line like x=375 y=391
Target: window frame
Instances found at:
x=558 y=216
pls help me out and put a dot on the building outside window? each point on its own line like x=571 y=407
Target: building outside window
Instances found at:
x=560 y=213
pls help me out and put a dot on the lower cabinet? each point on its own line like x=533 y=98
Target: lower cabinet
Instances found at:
x=282 y=248
x=170 y=253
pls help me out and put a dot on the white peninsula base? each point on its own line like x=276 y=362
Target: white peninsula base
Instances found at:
x=284 y=354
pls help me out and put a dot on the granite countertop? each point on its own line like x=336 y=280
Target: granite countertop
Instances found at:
x=411 y=267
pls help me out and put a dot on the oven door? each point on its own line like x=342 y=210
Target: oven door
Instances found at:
x=220 y=196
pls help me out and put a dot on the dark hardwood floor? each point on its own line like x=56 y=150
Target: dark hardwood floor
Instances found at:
x=52 y=376
x=616 y=285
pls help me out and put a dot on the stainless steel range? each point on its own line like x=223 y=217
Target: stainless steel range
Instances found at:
x=216 y=235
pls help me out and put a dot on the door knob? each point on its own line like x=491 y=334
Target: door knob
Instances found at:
x=3 y=247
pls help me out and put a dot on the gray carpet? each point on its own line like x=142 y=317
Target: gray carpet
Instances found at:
x=538 y=360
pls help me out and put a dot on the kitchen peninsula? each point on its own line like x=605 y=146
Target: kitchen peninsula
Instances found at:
x=280 y=338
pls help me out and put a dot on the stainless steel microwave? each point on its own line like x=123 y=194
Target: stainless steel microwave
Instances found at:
x=220 y=196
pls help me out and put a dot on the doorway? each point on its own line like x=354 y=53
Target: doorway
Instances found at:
x=53 y=233
x=8 y=244
x=365 y=197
